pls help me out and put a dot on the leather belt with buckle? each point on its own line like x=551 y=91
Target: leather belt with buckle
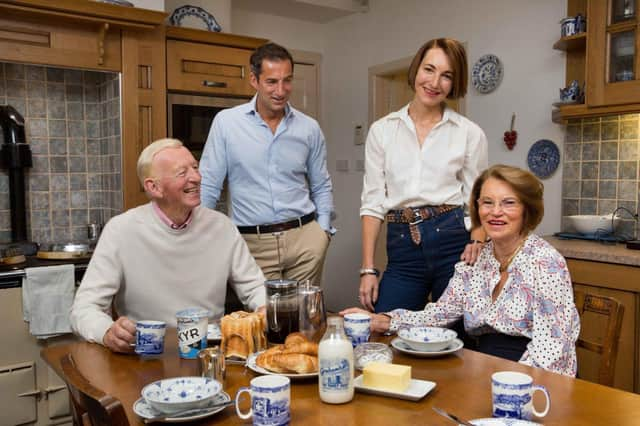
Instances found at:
x=413 y=216
x=278 y=227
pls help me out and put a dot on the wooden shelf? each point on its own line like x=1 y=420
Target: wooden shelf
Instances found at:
x=563 y=113
x=574 y=42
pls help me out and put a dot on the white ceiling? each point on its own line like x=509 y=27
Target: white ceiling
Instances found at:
x=318 y=11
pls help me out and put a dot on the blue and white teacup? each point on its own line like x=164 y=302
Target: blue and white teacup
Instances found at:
x=357 y=327
x=150 y=337
x=270 y=401
x=512 y=395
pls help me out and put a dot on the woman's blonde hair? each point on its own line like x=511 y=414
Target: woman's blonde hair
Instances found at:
x=145 y=159
x=527 y=187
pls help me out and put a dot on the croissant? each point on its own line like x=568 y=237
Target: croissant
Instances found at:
x=307 y=348
x=288 y=363
x=294 y=338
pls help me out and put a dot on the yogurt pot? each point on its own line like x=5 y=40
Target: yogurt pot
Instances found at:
x=192 y=331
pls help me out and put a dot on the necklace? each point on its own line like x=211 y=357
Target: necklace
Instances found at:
x=505 y=264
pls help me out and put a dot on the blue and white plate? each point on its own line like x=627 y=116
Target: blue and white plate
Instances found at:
x=146 y=411
x=543 y=158
x=186 y=11
x=487 y=73
x=502 y=422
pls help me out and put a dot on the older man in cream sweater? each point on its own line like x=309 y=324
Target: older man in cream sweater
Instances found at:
x=164 y=256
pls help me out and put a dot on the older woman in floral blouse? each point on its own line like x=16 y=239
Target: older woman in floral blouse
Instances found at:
x=516 y=302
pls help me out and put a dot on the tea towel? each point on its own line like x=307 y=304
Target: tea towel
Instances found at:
x=47 y=295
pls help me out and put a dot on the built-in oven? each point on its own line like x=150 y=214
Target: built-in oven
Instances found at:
x=190 y=117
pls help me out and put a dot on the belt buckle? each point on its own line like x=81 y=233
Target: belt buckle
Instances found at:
x=417 y=218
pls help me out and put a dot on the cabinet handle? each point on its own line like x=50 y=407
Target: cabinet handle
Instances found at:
x=208 y=83
x=36 y=392
x=52 y=389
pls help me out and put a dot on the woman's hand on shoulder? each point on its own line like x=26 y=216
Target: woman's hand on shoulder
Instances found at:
x=471 y=252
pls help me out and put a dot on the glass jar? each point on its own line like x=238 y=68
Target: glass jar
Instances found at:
x=368 y=352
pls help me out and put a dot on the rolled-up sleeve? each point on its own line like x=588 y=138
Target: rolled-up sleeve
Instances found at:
x=475 y=161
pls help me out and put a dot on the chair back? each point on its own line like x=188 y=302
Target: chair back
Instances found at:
x=91 y=406
x=613 y=312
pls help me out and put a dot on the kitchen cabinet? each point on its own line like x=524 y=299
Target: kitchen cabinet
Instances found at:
x=605 y=59
x=99 y=36
x=209 y=63
x=623 y=283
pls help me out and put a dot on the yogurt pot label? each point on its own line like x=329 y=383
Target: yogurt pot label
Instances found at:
x=192 y=331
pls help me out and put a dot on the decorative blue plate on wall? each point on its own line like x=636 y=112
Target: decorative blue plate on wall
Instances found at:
x=197 y=12
x=486 y=73
x=543 y=158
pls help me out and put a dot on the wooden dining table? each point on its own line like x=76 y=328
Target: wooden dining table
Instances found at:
x=463 y=387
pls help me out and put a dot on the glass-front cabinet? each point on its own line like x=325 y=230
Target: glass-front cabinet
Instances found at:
x=613 y=64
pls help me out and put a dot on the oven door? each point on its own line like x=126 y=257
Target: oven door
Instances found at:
x=190 y=118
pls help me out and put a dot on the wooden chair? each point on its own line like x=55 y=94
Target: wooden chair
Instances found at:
x=608 y=349
x=90 y=405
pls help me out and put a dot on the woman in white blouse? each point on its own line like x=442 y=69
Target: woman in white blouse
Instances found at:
x=516 y=301
x=420 y=163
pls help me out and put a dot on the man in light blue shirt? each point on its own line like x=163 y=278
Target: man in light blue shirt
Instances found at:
x=275 y=160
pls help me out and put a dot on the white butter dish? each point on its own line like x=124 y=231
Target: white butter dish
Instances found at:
x=417 y=389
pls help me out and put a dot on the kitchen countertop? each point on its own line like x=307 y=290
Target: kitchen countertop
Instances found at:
x=595 y=251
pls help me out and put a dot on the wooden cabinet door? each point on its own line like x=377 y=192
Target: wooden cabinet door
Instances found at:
x=41 y=40
x=613 y=62
x=208 y=69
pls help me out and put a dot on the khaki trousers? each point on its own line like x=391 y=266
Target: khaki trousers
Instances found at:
x=302 y=253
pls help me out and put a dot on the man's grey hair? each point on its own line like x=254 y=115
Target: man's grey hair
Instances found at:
x=146 y=156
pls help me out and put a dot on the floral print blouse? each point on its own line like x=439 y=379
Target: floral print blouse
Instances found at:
x=536 y=302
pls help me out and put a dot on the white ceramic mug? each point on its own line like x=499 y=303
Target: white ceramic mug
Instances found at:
x=150 y=337
x=357 y=327
x=512 y=395
x=270 y=401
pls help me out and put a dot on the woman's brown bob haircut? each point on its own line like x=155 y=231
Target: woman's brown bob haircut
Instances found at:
x=458 y=58
x=527 y=187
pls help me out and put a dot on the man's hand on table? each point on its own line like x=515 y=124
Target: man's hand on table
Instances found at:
x=121 y=336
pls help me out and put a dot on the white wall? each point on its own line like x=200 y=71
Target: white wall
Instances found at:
x=520 y=32
x=149 y=4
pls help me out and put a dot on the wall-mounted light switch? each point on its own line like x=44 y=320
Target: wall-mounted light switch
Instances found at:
x=359 y=165
x=342 y=165
x=358 y=136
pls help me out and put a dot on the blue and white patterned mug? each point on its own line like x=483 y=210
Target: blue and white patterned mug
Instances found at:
x=150 y=337
x=357 y=328
x=270 y=401
x=512 y=395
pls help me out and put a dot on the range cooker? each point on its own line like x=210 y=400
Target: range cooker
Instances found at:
x=11 y=275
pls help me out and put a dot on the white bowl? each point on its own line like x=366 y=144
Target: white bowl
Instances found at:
x=180 y=393
x=591 y=224
x=427 y=339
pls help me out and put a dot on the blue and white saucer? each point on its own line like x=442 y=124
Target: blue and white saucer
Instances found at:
x=146 y=411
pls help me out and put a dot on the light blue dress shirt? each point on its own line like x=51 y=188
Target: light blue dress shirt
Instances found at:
x=272 y=178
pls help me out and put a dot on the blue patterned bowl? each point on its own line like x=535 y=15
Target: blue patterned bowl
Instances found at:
x=427 y=339
x=180 y=393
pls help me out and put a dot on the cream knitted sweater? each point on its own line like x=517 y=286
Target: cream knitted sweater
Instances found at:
x=151 y=271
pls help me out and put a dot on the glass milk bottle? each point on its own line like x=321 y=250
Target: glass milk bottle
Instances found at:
x=335 y=355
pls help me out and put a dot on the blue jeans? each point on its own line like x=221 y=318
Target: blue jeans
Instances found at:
x=416 y=270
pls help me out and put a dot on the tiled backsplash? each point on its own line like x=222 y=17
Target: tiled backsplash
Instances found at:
x=72 y=121
x=601 y=168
